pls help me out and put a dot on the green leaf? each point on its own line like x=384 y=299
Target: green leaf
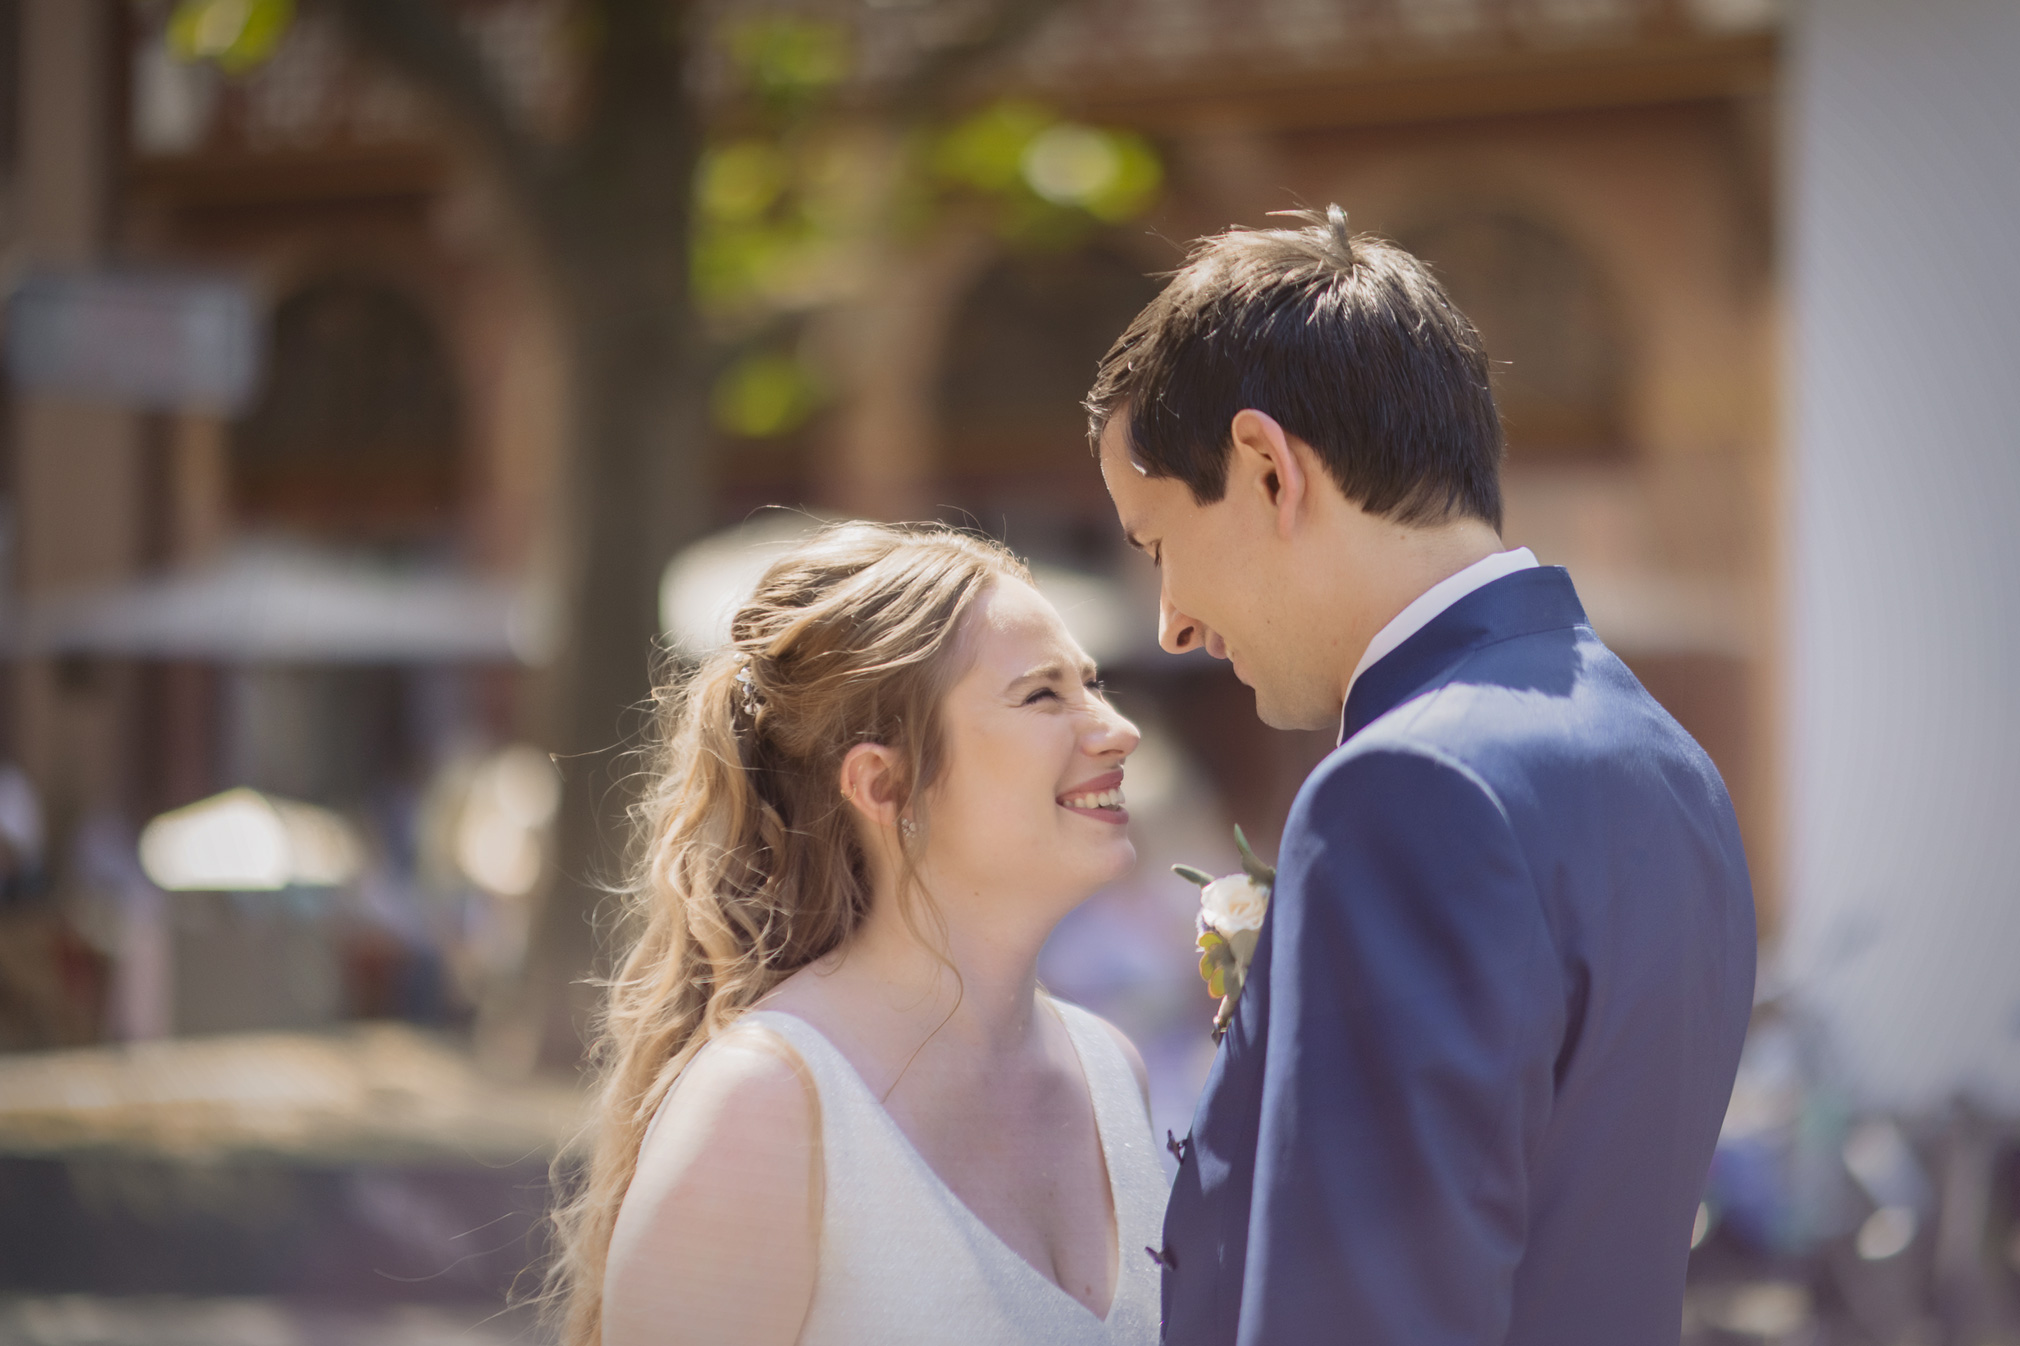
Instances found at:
x=1138 y=175
x=1109 y=174
x=1191 y=875
x=788 y=59
x=1252 y=866
x=985 y=151
x=235 y=34
x=765 y=395
x=739 y=182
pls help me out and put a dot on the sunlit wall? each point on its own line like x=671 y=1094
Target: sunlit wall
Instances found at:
x=1903 y=588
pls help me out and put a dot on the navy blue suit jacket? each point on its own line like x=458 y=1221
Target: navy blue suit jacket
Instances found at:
x=1471 y=1091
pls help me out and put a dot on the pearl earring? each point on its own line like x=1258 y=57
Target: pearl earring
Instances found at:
x=908 y=828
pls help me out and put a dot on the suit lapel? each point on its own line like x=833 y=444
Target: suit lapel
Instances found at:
x=1538 y=599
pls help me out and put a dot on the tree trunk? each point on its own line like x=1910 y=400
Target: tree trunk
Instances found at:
x=637 y=491
x=609 y=214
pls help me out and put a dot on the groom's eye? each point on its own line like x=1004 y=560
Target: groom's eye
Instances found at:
x=1041 y=692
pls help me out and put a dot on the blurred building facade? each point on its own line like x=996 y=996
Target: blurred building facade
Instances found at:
x=1595 y=181
x=1623 y=193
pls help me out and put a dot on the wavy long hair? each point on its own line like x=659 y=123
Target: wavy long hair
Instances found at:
x=747 y=865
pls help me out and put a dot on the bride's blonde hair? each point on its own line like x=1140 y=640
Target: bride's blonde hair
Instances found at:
x=748 y=866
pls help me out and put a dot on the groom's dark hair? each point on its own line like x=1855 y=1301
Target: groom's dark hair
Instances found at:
x=1345 y=339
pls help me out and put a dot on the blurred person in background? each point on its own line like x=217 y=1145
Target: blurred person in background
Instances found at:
x=836 y=1107
x=1472 y=1088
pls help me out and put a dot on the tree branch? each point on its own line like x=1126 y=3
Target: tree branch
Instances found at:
x=422 y=41
x=937 y=80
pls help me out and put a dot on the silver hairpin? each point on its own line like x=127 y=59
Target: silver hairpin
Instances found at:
x=747 y=691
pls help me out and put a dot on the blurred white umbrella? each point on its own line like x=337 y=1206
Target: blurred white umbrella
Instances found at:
x=246 y=841
x=701 y=589
x=270 y=604
x=704 y=585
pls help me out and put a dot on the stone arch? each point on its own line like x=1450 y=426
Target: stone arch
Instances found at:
x=358 y=425
x=1020 y=354
x=1552 y=328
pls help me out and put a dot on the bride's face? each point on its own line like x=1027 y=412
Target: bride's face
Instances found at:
x=1030 y=792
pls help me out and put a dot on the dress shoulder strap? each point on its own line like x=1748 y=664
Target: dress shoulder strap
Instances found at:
x=1118 y=1098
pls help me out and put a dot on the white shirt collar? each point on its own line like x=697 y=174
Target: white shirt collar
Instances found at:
x=1435 y=600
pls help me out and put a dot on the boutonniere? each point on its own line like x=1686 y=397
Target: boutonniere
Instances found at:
x=1231 y=911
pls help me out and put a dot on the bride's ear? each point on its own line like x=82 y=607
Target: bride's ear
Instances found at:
x=870 y=778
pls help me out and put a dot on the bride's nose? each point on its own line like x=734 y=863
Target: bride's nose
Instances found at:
x=1109 y=734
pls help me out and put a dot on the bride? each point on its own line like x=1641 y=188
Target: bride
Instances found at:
x=835 y=1105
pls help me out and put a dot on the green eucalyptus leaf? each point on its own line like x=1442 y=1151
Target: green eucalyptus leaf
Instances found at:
x=1251 y=865
x=1192 y=875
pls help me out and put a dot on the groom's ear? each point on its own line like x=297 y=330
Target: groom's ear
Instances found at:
x=1266 y=464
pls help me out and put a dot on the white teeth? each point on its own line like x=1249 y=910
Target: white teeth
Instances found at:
x=1107 y=799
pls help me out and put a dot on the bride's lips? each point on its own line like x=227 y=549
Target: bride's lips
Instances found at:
x=1109 y=811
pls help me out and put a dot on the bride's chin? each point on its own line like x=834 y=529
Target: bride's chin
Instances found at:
x=1091 y=873
x=1121 y=858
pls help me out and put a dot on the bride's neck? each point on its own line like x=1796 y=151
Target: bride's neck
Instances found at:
x=981 y=985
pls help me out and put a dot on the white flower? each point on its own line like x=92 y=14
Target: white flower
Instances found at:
x=1234 y=904
x=1231 y=911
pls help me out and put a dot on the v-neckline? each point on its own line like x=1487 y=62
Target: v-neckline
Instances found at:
x=932 y=1175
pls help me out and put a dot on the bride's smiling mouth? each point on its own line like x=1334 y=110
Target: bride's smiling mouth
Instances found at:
x=1099 y=798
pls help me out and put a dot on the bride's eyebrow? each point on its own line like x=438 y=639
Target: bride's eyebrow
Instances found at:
x=1052 y=672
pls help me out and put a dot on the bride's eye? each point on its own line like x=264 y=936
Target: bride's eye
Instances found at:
x=1041 y=692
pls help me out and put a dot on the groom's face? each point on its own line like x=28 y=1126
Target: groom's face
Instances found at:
x=1218 y=586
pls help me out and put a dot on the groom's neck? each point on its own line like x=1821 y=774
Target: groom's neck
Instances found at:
x=1383 y=566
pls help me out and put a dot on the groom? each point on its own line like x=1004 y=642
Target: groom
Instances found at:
x=1472 y=1088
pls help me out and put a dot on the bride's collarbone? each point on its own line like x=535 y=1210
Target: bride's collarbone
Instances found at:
x=1012 y=1136
x=1024 y=1156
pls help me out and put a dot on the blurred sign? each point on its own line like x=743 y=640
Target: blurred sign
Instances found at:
x=133 y=339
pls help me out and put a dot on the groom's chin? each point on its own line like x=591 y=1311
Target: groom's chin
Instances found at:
x=1279 y=714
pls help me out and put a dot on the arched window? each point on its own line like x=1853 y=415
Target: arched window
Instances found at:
x=1020 y=356
x=355 y=430
x=1544 y=311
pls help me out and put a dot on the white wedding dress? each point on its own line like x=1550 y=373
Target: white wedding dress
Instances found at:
x=904 y=1263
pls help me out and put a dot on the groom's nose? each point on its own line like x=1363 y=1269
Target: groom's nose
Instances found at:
x=1178 y=631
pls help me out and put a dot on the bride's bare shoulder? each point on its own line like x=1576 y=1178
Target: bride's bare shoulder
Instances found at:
x=721 y=1220
x=741 y=1107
